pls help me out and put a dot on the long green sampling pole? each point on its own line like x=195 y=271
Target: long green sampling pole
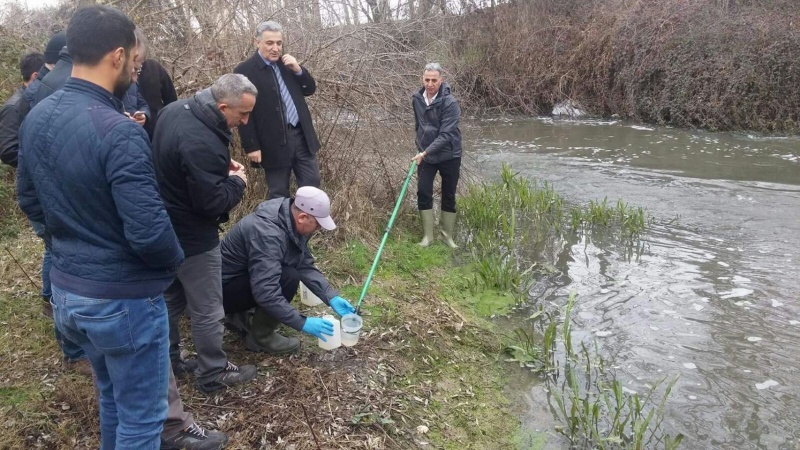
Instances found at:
x=385 y=236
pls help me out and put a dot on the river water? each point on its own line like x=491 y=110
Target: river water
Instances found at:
x=714 y=295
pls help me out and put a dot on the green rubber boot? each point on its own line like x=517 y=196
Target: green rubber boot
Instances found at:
x=263 y=337
x=448 y=222
x=427 y=227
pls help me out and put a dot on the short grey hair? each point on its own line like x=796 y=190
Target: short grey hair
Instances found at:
x=269 y=25
x=230 y=88
x=434 y=67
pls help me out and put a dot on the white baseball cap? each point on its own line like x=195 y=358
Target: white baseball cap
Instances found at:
x=315 y=202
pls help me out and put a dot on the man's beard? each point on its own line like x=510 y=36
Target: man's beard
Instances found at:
x=123 y=82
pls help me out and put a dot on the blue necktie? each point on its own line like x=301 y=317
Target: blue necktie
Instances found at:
x=291 y=111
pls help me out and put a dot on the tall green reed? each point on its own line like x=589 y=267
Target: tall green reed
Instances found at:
x=503 y=217
x=594 y=409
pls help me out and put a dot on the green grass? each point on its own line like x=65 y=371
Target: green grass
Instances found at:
x=466 y=406
x=530 y=440
x=17 y=396
x=34 y=383
x=448 y=373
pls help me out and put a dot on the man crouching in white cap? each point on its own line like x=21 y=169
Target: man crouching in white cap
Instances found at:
x=264 y=258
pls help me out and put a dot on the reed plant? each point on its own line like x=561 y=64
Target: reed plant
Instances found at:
x=535 y=348
x=628 y=220
x=500 y=217
x=505 y=217
x=493 y=214
x=595 y=411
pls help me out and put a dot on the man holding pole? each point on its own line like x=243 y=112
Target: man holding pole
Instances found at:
x=436 y=117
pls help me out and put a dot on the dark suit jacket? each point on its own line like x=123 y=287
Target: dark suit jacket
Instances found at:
x=156 y=87
x=266 y=130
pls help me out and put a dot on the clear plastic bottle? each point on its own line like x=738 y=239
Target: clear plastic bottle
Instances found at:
x=307 y=297
x=334 y=341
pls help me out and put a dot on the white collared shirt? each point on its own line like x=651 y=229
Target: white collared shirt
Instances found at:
x=429 y=101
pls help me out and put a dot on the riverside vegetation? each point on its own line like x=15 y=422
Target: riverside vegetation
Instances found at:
x=512 y=213
x=428 y=369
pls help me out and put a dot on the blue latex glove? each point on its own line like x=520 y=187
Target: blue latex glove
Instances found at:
x=318 y=327
x=342 y=306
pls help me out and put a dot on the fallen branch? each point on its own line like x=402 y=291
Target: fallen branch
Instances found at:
x=38 y=288
x=308 y=422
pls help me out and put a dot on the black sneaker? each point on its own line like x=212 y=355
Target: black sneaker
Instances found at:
x=195 y=438
x=228 y=377
x=181 y=367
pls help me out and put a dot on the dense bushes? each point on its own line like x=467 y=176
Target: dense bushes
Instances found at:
x=683 y=63
x=716 y=64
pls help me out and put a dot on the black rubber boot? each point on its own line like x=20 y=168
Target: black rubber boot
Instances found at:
x=263 y=337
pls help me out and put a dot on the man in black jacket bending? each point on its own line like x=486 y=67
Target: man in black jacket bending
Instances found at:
x=281 y=136
x=200 y=184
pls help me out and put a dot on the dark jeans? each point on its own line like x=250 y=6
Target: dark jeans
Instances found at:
x=449 y=171
x=304 y=165
x=237 y=296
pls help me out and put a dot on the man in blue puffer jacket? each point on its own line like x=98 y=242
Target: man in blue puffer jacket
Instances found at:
x=85 y=171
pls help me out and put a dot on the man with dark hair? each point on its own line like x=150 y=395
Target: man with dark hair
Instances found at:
x=29 y=65
x=180 y=430
x=85 y=171
x=10 y=118
x=281 y=136
x=200 y=185
x=51 y=52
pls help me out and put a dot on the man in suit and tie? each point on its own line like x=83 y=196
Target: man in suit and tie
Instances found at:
x=280 y=135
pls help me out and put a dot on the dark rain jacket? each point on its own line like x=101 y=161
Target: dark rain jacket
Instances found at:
x=436 y=125
x=13 y=113
x=266 y=130
x=85 y=171
x=32 y=90
x=56 y=78
x=260 y=245
x=190 y=150
x=10 y=120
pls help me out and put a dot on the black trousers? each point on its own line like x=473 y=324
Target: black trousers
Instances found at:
x=304 y=165
x=449 y=171
x=237 y=295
